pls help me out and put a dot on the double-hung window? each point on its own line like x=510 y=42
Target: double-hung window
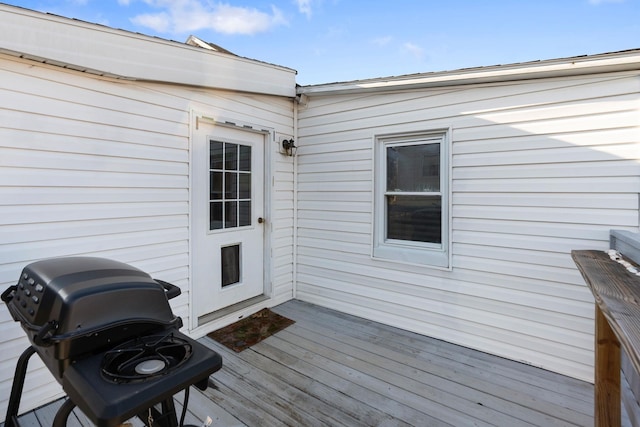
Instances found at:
x=411 y=209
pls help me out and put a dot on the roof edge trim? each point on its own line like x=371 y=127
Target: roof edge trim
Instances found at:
x=591 y=64
x=102 y=50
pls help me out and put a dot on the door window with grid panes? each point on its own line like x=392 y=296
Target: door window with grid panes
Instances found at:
x=229 y=185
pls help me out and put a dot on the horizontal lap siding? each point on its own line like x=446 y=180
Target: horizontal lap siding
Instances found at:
x=92 y=166
x=539 y=168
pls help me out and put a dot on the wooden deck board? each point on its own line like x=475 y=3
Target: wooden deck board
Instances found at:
x=200 y=407
x=332 y=369
x=343 y=386
x=474 y=380
x=298 y=391
x=419 y=346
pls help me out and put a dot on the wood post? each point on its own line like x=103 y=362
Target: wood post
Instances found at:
x=607 y=374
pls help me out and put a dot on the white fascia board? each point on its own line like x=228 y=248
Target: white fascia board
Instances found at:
x=583 y=65
x=103 y=50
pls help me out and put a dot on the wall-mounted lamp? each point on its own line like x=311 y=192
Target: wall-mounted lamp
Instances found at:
x=289 y=147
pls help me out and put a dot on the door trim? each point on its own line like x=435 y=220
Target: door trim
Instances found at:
x=197 y=117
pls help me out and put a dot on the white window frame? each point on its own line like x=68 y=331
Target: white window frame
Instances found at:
x=404 y=251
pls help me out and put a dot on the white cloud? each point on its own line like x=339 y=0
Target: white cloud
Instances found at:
x=596 y=2
x=184 y=16
x=382 y=41
x=233 y=20
x=124 y=2
x=304 y=7
x=159 y=22
x=414 y=50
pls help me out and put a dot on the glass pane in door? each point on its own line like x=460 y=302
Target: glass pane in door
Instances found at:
x=229 y=185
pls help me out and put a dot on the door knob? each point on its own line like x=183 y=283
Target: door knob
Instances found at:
x=260 y=220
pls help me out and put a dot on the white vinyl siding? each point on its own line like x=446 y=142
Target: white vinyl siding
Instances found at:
x=539 y=168
x=96 y=166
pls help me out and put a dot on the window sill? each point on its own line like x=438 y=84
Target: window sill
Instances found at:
x=438 y=258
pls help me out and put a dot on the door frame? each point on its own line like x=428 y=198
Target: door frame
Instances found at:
x=196 y=118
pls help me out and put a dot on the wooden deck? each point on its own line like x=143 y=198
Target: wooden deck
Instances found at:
x=333 y=369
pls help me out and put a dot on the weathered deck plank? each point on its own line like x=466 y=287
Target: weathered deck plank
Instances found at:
x=334 y=369
x=460 y=372
x=332 y=379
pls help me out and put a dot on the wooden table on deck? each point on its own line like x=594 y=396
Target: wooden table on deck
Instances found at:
x=617 y=325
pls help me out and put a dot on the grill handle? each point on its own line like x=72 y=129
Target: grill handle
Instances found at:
x=43 y=337
x=9 y=293
x=171 y=290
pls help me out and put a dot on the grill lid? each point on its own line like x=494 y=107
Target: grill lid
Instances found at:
x=61 y=298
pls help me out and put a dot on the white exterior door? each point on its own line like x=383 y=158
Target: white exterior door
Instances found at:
x=227 y=216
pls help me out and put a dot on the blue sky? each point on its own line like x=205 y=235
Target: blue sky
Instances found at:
x=339 y=40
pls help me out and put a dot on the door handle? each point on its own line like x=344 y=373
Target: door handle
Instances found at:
x=260 y=220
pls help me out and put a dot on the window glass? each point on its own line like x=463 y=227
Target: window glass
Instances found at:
x=244 y=186
x=245 y=158
x=417 y=219
x=215 y=216
x=230 y=214
x=230 y=156
x=413 y=168
x=244 y=213
x=229 y=185
x=215 y=154
x=413 y=201
x=215 y=185
x=411 y=212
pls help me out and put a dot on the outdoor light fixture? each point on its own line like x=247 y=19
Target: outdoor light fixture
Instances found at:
x=289 y=147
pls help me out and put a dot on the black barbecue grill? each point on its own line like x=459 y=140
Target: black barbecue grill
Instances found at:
x=106 y=332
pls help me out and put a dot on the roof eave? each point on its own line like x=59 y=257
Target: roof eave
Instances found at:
x=581 y=65
x=102 y=50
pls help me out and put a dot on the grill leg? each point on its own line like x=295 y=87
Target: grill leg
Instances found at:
x=169 y=412
x=16 y=388
x=63 y=413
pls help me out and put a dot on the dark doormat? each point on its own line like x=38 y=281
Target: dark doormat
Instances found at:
x=250 y=330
